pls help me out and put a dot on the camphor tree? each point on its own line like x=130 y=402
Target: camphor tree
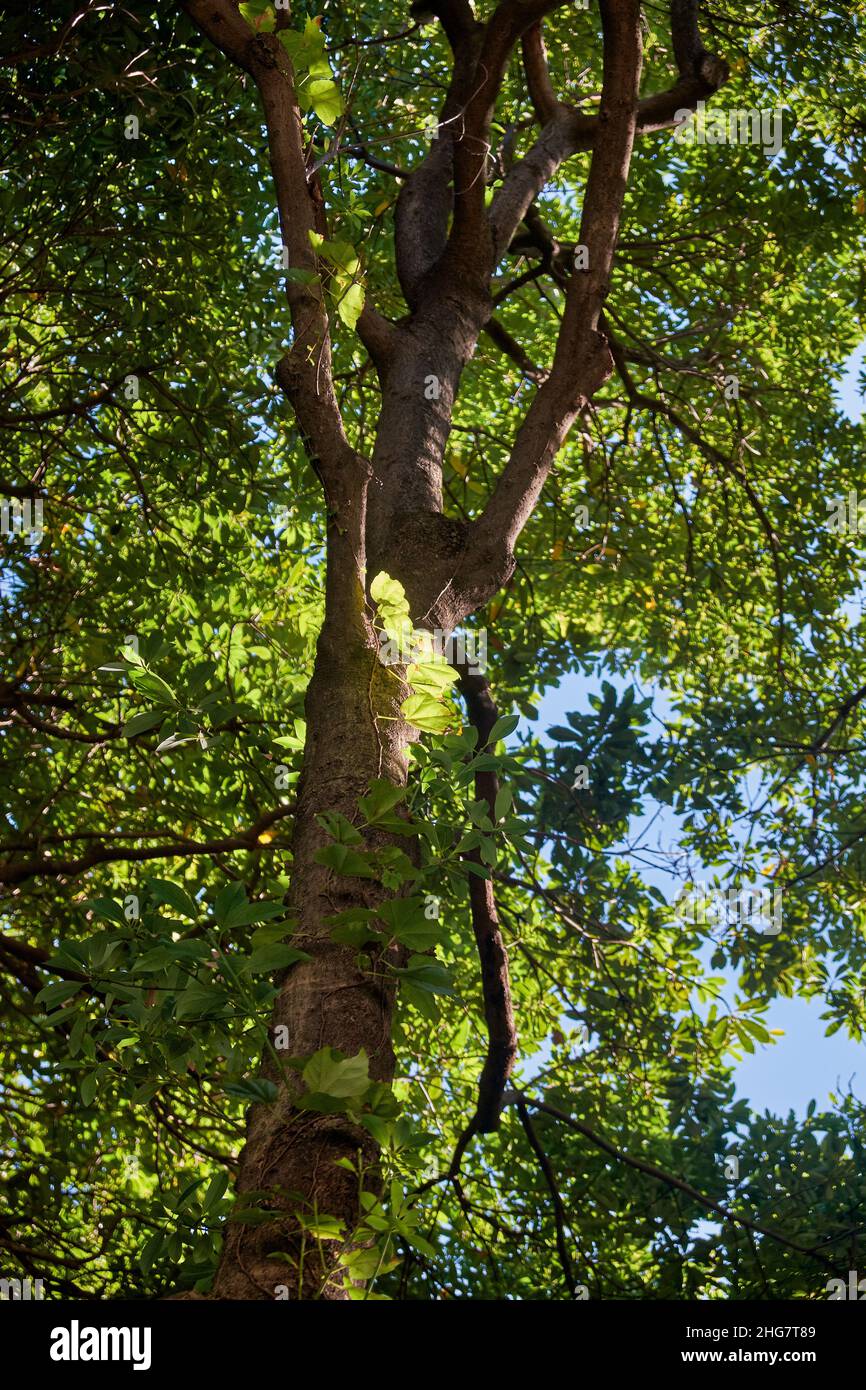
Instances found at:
x=554 y=365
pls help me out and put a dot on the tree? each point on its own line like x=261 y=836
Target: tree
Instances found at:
x=142 y=300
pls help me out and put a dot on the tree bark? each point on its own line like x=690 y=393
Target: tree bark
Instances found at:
x=290 y=1155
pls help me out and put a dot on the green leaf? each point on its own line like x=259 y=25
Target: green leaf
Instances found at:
x=151 y=1248
x=257 y=1090
x=139 y=723
x=431 y=677
x=388 y=593
x=382 y=797
x=186 y=1194
x=344 y=860
x=322 y=1227
x=259 y=15
x=419 y=1243
x=215 y=1191
x=267 y=959
x=563 y=735
x=106 y=908
x=87 y=1087
x=341 y=254
x=52 y=995
x=380 y=1129
x=145 y=1092
x=505 y=725
x=154 y=686
x=327 y=103
x=244 y=914
x=229 y=899
x=406 y=922
x=174 y=896
x=197 y=1001
x=353 y=927
x=350 y=305
x=332 y=1074
x=427 y=714
x=426 y=974
x=340 y=828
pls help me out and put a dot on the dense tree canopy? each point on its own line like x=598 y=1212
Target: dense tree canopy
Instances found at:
x=280 y=300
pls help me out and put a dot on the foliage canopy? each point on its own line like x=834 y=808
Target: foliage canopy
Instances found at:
x=681 y=545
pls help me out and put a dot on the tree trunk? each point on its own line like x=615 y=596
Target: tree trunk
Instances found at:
x=290 y=1154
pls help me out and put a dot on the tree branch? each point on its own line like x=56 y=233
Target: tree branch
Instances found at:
x=544 y=99
x=499 y=335
x=658 y=406
x=652 y=1171
x=113 y=854
x=550 y=1179
x=470 y=243
x=582 y=360
x=569 y=132
x=495 y=983
x=305 y=373
x=426 y=198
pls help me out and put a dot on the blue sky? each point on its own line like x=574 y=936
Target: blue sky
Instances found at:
x=803 y=1064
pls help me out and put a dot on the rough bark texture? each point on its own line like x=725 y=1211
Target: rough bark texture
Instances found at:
x=328 y=1000
x=290 y=1156
x=386 y=514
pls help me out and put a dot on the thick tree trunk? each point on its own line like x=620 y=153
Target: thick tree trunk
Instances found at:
x=290 y=1154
